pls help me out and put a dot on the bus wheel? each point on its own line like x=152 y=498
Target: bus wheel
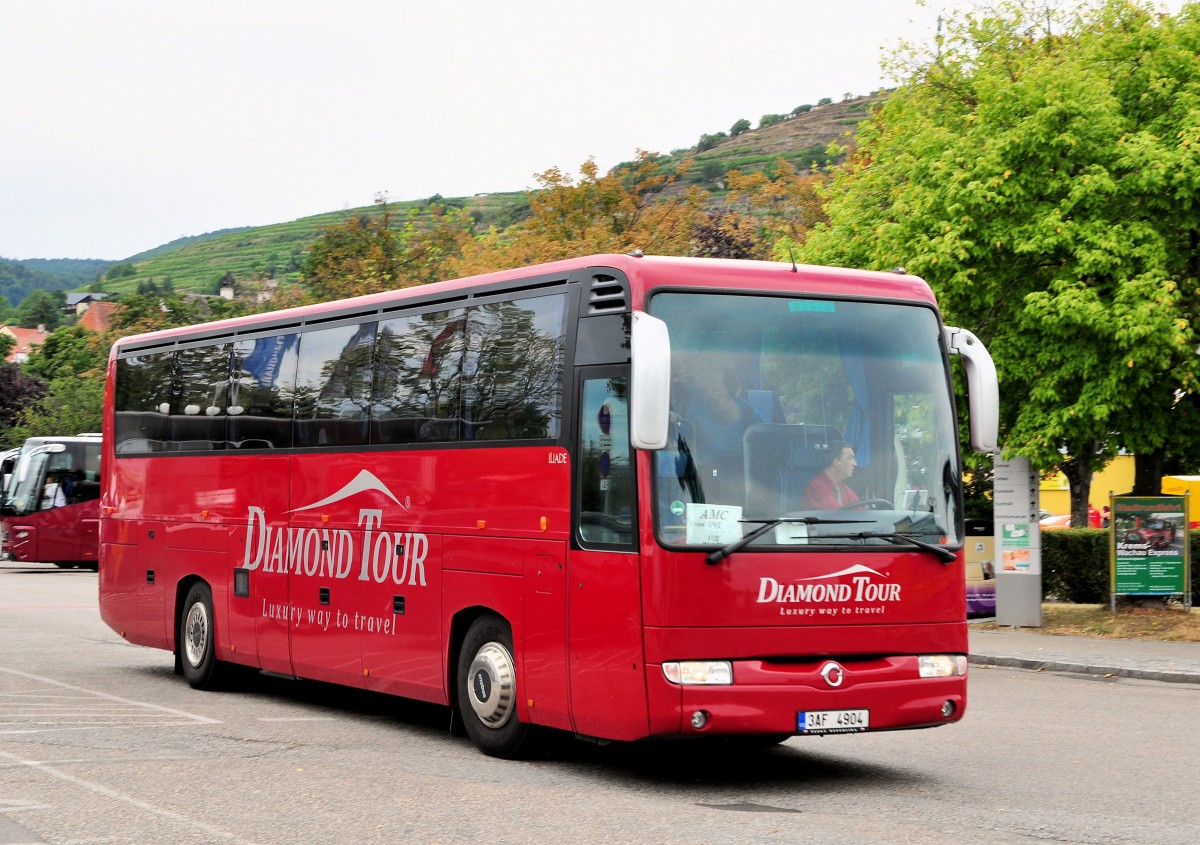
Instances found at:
x=197 y=650
x=487 y=690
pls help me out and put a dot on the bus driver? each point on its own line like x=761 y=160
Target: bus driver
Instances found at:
x=828 y=491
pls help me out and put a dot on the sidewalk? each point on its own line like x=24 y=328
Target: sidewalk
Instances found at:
x=1145 y=659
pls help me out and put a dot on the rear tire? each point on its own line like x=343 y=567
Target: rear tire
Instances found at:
x=487 y=690
x=196 y=646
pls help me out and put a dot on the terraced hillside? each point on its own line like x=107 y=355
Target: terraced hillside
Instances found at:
x=197 y=265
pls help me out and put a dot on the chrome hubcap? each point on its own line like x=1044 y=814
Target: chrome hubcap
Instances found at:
x=492 y=685
x=195 y=634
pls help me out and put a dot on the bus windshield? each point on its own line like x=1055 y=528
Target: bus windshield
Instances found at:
x=827 y=421
x=50 y=475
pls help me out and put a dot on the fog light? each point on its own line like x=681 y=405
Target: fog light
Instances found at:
x=942 y=665
x=700 y=719
x=699 y=672
x=947 y=709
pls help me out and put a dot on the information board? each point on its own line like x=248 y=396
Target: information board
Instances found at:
x=1018 y=544
x=1149 y=543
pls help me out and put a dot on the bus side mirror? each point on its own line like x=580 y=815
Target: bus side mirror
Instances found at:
x=650 y=382
x=983 y=388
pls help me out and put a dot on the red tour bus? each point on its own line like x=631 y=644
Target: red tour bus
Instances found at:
x=566 y=496
x=50 y=502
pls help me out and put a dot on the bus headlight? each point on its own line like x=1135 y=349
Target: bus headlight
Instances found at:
x=942 y=665
x=696 y=672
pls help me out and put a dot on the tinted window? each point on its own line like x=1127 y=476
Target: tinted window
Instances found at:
x=263 y=392
x=200 y=398
x=489 y=372
x=333 y=386
x=143 y=402
x=512 y=372
x=418 y=378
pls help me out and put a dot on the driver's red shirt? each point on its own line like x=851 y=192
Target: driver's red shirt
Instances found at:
x=822 y=494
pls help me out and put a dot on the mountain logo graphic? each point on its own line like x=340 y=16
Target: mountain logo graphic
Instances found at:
x=361 y=483
x=857 y=569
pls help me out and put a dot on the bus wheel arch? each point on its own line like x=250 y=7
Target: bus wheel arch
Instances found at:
x=195 y=641
x=486 y=685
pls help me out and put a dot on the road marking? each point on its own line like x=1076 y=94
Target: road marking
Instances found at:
x=9 y=804
x=100 y=789
x=295 y=718
x=43 y=702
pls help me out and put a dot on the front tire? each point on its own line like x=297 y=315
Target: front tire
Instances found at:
x=487 y=690
x=196 y=646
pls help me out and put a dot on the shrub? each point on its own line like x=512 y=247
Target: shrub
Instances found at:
x=712 y=169
x=1075 y=565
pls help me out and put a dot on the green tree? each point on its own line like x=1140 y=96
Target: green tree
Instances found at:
x=41 y=308
x=123 y=270
x=70 y=351
x=71 y=405
x=1040 y=168
x=71 y=365
x=712 y=169
x=7 y=342
x=139 y=313
x=739 y=127
x=372 y=253
x=17 y=392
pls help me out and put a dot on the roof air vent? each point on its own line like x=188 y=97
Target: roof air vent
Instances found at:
x=607 y=295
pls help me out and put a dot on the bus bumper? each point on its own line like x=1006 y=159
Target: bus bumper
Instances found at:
x=881 y=693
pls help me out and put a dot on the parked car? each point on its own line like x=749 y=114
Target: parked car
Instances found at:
x=1055 y=521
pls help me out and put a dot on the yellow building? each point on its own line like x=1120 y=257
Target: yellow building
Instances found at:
x=1117 y=477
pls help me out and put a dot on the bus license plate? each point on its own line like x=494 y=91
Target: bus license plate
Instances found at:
x=832 y=721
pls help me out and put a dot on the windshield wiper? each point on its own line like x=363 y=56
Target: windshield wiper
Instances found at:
x=713 y=558
x=946 y=556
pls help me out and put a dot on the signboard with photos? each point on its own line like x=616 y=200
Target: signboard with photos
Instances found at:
x=1149 y=542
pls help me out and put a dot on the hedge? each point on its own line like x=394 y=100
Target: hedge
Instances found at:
x=1075 y=565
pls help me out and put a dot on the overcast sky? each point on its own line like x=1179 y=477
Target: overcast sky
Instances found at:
x=125 y=124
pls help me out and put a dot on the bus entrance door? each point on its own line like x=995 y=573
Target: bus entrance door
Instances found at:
x=608 y=690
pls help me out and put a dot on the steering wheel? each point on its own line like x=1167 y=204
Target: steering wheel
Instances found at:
x=868 y=504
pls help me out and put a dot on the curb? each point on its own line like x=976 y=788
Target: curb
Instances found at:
x=1084 y=668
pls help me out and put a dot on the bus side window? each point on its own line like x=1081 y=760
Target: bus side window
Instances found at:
x=512 y=384
x=262 y=391
x=143 y=396
x=417 y=390
x=200 y=398
x=605 y=464
x=333 y=386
